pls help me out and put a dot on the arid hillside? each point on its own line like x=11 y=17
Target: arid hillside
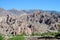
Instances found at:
x=13 y=22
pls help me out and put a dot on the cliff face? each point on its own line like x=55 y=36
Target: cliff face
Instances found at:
x=34 y=22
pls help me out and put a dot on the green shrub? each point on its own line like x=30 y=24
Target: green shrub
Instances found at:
x=57 y=35
x=17 y=38
x=46 y=34
x=59 y=27
x=1 y=38
x=50 y=34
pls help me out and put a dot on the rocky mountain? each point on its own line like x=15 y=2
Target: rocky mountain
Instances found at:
x=13 y=22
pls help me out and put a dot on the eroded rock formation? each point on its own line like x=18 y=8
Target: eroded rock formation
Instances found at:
x=37 y=22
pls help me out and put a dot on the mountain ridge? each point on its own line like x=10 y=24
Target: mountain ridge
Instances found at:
x=15 y=22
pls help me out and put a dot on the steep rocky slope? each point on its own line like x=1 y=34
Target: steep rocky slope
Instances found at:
x=35 y=22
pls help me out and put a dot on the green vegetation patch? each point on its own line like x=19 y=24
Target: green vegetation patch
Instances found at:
x=1 y=37
x=18 y=37
x=46 y=34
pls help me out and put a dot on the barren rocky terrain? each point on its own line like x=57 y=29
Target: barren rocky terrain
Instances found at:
x=14 y=22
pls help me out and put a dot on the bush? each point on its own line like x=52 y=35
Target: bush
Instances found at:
x=1 y=38
x=57 y=35
x=18 y=37
x=59 y=27
x=46 y=34
x=50 y=34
